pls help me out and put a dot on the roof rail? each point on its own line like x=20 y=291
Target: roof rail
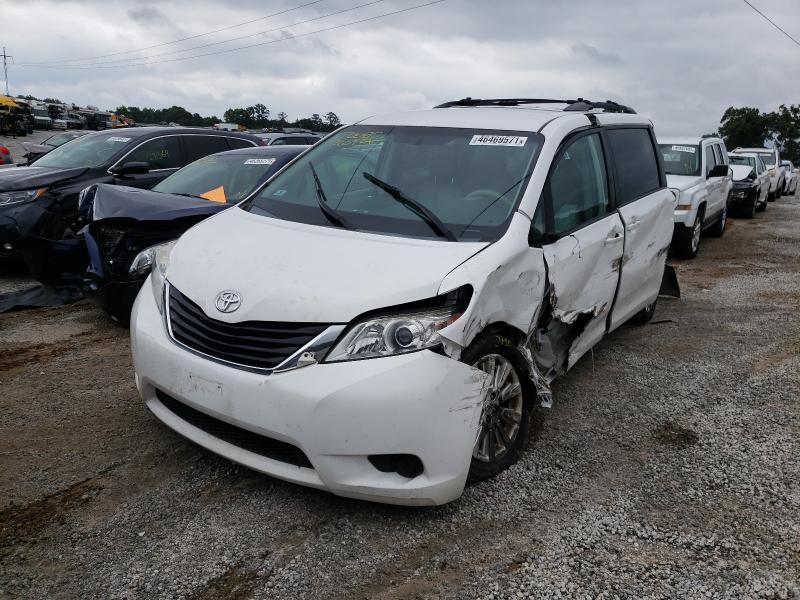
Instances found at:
x=581 y=104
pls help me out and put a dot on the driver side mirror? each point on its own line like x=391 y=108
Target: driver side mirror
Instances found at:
x=131 y=168
x=718 y=171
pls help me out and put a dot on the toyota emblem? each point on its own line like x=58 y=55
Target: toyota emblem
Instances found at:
x=228 y=301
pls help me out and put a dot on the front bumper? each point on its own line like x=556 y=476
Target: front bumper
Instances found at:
x=17 y=221
x=423 y=404
x=743 y=196
x=684 y=217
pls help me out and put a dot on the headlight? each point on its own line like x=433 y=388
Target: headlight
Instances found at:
x=154 y=259
x=21 y=196
x=402 y=331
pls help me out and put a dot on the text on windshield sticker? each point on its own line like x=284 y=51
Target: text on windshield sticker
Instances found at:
x=688 y=149
x=119 y=139
x=259 y=161
x=498 y=140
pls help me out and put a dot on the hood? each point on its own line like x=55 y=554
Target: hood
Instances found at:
x=289 y=271
x=25 y=178
x=116 y=201
x=683 y=182
x=36 y=148
x=740 y=171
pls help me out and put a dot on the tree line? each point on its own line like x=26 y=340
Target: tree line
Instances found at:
x=749 y=127
x=252 y=117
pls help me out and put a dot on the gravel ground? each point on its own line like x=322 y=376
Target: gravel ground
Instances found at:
x=14 y=145
x=667 y=468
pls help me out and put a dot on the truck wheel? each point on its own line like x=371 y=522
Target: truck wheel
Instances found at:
x=505 y=418
x=718 y=228
x=748 y=211
x=686 y=241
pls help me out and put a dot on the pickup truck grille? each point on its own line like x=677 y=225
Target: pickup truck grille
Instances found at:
x=249 y=344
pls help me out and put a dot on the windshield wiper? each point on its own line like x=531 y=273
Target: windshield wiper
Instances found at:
x=434 y=222
x=331 y=213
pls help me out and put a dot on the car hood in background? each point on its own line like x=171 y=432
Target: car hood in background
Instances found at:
x=683 y=182
x=740 y=171
x=115 y=201
x=26 y=178
x=288 y=271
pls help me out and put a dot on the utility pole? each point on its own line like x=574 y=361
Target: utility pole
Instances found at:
x=5 y=66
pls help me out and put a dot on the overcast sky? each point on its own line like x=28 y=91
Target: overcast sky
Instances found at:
x=682 y=62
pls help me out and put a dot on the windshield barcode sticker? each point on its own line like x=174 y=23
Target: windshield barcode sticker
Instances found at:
x=259 y=161
x=688 y=149
x=514 y=141
x=119 y=139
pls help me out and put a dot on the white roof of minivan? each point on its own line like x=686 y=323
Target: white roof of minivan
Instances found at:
x=510 y=118
x=757 y=150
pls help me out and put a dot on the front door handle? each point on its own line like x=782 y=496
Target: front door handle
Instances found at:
x=616 y=236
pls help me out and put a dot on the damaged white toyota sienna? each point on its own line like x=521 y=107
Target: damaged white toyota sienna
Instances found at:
x=380 y=319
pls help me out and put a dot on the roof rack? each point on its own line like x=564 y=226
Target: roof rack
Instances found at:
x=581 y=104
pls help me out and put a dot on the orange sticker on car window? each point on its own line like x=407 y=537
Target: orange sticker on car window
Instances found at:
x=215 y=195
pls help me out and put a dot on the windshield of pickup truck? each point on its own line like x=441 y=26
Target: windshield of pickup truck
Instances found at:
x=680 y=159
x=439 y=182
x=90 y=150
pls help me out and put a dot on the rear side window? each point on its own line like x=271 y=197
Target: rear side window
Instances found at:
x=710 y=160
x=198 y=146
x=161 y=153
x=236 y=143
x=578 y=188
x=636 y=163
x=278 y=142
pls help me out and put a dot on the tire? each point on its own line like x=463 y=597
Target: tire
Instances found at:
x=748 y=211
x=771 y=196
x=644 y=316
x=686 y=241
x=505 y=419
x=718 y=228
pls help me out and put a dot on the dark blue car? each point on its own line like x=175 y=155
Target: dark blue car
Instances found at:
x=122 y=223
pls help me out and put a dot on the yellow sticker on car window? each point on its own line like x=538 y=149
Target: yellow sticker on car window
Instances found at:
x=215 y=195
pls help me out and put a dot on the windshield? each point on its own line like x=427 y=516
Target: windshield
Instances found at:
x=468 y=180
x=680 y=160
x=86 y=151
x=58 y=139
x=220 y=177
x=747 y=161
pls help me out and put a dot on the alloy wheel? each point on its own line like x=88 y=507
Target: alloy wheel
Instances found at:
x=502 y=409
x=696 y=231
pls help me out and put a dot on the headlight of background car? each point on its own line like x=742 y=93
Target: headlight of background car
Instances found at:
x=401 y=332
x=21 y=196
x=155 y=260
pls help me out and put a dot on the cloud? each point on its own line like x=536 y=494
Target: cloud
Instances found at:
x=682 y=63
x=599 y=56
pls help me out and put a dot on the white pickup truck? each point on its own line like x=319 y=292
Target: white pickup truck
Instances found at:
x=698 y=173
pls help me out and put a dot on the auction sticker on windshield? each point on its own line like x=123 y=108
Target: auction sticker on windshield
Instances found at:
x=688 y=149
x=498 y=140
x=119 y=139
x=259 y=161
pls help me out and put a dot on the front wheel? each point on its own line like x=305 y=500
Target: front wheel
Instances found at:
x=686 y=241
x=508 y=397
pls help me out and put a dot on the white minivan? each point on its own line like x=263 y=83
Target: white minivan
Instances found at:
x=380 y=319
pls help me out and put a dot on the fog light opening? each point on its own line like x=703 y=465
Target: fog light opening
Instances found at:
x=406 y=465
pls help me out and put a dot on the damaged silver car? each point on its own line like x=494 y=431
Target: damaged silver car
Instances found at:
x=380 y=319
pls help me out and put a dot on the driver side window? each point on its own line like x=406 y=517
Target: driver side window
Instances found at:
x=578 y=187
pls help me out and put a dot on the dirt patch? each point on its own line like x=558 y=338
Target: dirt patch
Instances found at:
x=672 y=434
x=237 y=583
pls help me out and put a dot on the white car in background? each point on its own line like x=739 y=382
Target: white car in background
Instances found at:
x=790 y=187
x=775 y=169
x=698 y=172
x=380 y=318
x=750 y=184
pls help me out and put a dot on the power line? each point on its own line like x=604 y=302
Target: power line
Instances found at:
x=773 y=23
x=190 y=37
x=241 y=37
x=283 y=39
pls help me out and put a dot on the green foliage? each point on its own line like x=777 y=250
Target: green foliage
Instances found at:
x=257 y=117
x=173 y=114
x=748 y=126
